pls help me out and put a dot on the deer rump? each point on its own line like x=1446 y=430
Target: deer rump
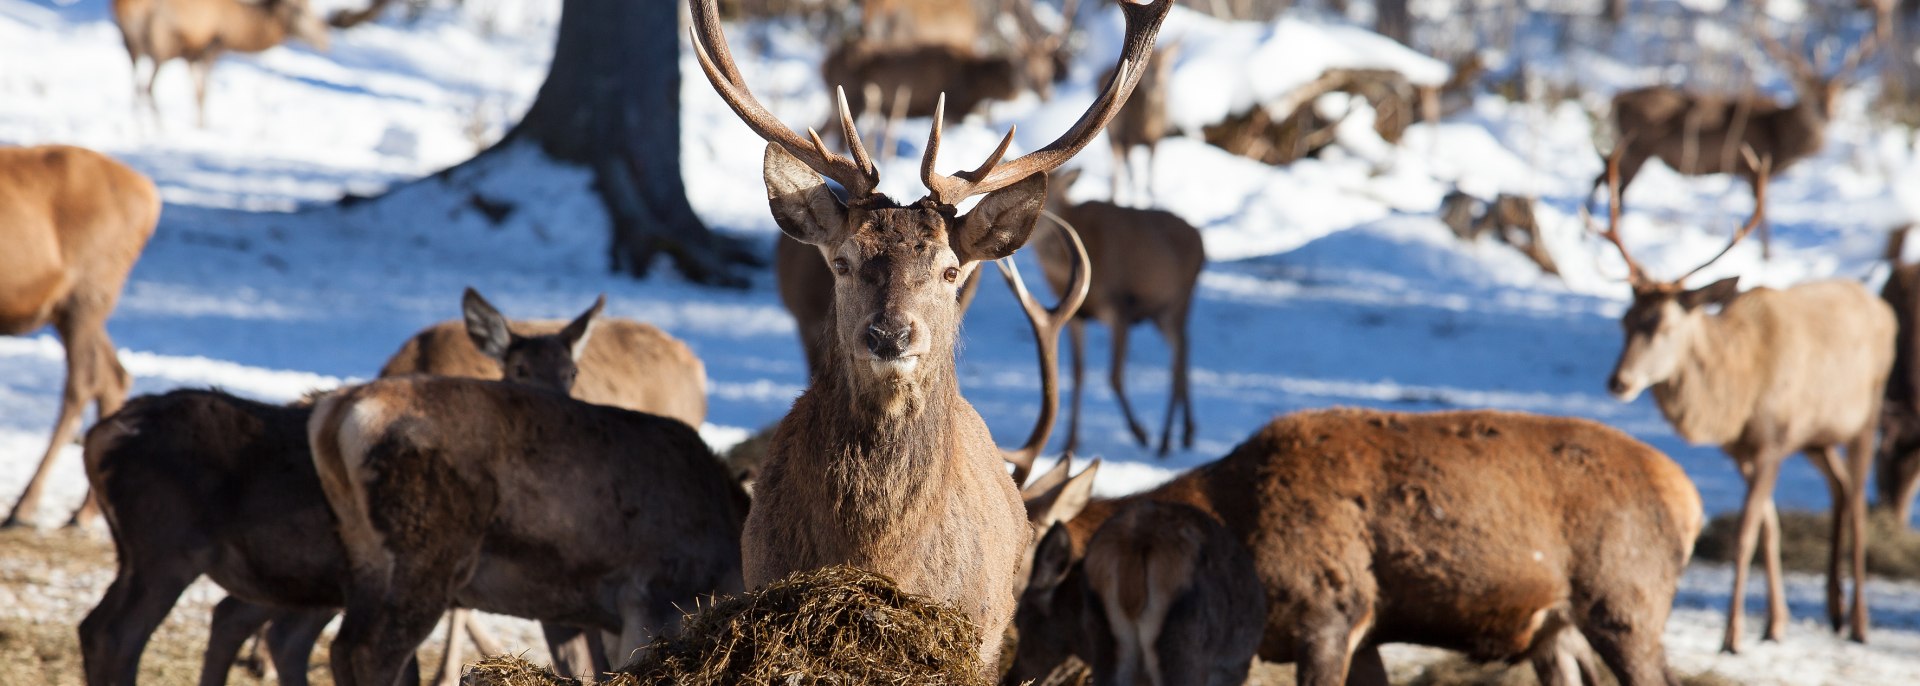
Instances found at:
x=1459 y=530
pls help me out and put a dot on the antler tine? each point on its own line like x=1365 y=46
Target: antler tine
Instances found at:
x=1143 y=18
x=1860 y=53
x=1788 y=57
x=852 y=133
x=1047 y=323
x=1635 y=274
x=710 y=47
x=1761 y=167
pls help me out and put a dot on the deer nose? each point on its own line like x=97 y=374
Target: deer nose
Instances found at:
x=1617 y=385
x=888 y=338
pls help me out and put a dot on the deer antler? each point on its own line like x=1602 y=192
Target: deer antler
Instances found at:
x=1791 y=59
x=1046 y=333
x=1143 y=19
x=857 y=174
x=1635 y=275
x=1762 y=168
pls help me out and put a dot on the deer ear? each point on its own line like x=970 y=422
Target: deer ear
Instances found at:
x=1051 y=560
x=803 y=205
x=485 y=326
x=581 y=328
x=1002 y=221
x=1716 y=293
x=1065 y=501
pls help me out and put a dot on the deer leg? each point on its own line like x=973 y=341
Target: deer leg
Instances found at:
x=1077 y=333
x=1117 y=375
x=1827 y=461
x=1119 y=167
x=1777 y=612
x=1152 y=147
x=1907 y=473
x=1859 y=460
x=290 y=639
x=110 y=387
x=201 y=69
x=1171 y=329
x=572 y=656
x=82 y=367
x=450 y=659
x=1761 y=477
x=234 y=621
x=113 y=636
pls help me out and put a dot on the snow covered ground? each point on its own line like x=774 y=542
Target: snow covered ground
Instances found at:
x=1331 y=281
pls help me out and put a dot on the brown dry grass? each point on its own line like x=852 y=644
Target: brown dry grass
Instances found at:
x=1893 y=550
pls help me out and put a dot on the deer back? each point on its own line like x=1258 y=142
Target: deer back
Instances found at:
x=1144 y=261
x=626 y=364
x=73 y=222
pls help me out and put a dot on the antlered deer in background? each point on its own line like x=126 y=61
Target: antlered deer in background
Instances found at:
x=198 y=31
x=1165 y=596
x=73 y=222
x=1773 y=373
x=507 y=498
x=881 y=463
x=1897 y=465
x=1703 y=133
x=1146 y=264
x=1144 y=120
x=1497 y=534
x=201 y=482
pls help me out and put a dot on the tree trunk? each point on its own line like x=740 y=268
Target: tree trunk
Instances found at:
x=1393 y=20
x=611 y=103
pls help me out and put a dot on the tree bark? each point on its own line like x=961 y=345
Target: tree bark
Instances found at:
x=1393 y=20
x=611 y=103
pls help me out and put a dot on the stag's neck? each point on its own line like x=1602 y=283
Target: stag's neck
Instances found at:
x=1713 y=393
x=250 y=27
x=877 y=453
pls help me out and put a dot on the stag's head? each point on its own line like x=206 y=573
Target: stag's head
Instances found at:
x=1048 y=617
x=1666 y=317
x=550 y=361
x=300 y=21
x=898 y=267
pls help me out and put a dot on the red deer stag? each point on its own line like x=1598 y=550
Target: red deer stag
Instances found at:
x=925 y=73
x=1490 y=533
x=1897 y=465
x=200 y=482
x=198 y=31
x=1697 y=134
x=1146 y=264
x=1773 y=373
x=1165 y=596
x=881 y=463
x=1143 y=121
x=512 y=499
x=73 y=222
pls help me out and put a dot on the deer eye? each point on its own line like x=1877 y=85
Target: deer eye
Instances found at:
x=840 y=266
x=952 y=274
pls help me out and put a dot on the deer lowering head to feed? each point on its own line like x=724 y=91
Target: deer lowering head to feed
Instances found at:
x=881 y=463
x=506 y=498
x=1144 y=120
x=73 y=222
x=1165 y=596
x=1897 y=465
x=621 y=362
x=198 y=31
x=1697 y=134
x=1146 y=265
x=1772 y=373
x=1498 y=534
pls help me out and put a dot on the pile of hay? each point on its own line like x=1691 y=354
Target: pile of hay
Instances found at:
x=836 y=625
x=1893 y=550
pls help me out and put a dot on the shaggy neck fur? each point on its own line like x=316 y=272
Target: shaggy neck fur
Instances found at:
x=1712 y=393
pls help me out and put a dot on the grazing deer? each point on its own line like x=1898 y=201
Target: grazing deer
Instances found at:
x=925 y=73
x=1773 y=373
x=73 y=222
x=1146 y=264
x=624 y=363
x=881 y=463
x=225 y=487
x=1490 y=533
x=1697 y=134
x=1144 y=120
x=1164 y=596
x=199 y=31
x=1897 y=465
x=512 y=499
x=1509 y=218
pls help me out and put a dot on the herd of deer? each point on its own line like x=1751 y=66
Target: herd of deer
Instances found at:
x=551 y=470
